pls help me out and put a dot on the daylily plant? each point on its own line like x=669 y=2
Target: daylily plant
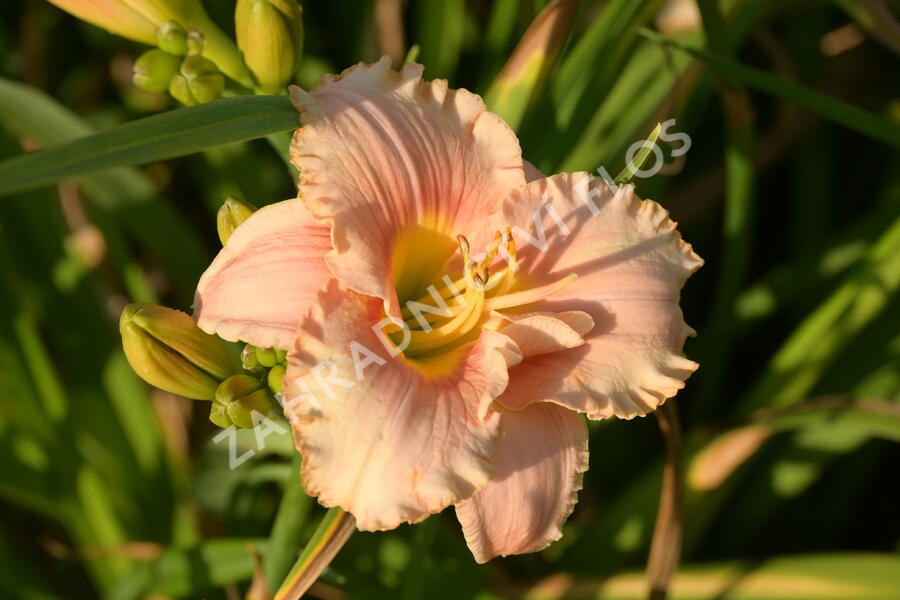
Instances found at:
x=450 y=314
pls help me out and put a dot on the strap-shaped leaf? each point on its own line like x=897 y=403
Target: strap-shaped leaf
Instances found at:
x=167 y=135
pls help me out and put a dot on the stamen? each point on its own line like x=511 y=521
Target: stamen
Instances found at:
x=529 y=296
x=453 y=288
x=477 y=293
x=511 y=249
x=461 y=324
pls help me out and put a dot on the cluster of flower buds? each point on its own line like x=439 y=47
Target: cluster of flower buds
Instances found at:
x=267 y=361
x=192 y=55
x=179 y=67
x=168 y=350
x=150 y=22
x=242 y=401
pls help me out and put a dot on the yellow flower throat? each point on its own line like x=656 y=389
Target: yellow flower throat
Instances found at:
x=448 y=316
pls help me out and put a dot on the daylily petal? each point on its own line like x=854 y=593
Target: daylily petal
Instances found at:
x=385 y=154
x=265 y=278
x=536 y=334
x=381 y=437
x=540 y=457
x=532 y=172
x=631 y=264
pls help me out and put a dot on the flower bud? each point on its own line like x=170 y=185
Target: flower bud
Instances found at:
x=172 y=38
x=196 y=43
x=114 y=16
x=197 y=82
x=153 y=70
x=270 y=36
x=140 y=20
x=248 y=359
x=167 y=349
x=218 y=414
x=243 y=395
x=266 y=357
x=275 y=378
x=231 y=214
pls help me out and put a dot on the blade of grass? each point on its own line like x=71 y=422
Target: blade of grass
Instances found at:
x=523 y=77
x=828 y=107
x=498 y=37
x=579 y=83
x=124 y=196
x=790 y=283
x=175 y=133
x=824 y=577
x=288 y=528
x=641 y=91
x=441 y=27
x=740 y=208
x=876 y=18
x=627 y=174
x=808 y=352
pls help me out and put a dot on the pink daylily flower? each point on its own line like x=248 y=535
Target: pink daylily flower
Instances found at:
x=553 y=298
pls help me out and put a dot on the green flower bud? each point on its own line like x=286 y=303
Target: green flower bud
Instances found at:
x=180 y=89
x=275 y=378
x=198 y=81
x=266 y=357
x=172 y=38
x=270 y=36
x=218 y=414
x=280 y=356
x=167 y=349
x=248 y=359
x=242 y=395
x=231 y=214
x=154 y=69
x=196 y=43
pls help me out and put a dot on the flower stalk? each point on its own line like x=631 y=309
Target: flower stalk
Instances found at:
x=333 y=532
x=665 y=548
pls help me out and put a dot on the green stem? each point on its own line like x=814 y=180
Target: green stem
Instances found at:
x=218 y=47
x=665 y=549
x=333 y=532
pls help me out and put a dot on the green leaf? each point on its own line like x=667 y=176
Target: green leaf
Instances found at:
x=806 y=355
x=584 y=78
x=285 y=541
x=124 y=198
x=523 y=78
x=638 y=161
x=833 y=109
x=191 y=571
x=440 y=36
x=159 y=137
x=819 y=576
